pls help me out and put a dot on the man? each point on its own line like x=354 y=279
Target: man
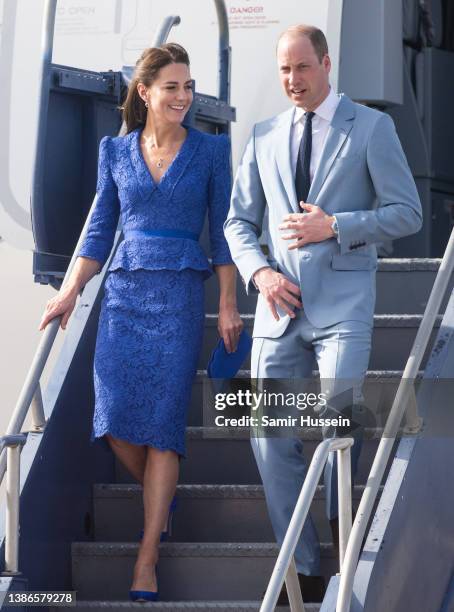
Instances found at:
x=334 y=180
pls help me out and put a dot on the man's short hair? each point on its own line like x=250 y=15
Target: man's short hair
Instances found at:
x=315 y=35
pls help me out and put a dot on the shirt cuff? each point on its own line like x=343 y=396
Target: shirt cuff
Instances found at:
x=338 y=232
x=252 y=277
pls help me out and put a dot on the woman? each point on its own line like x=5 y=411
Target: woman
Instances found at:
x=161 y=178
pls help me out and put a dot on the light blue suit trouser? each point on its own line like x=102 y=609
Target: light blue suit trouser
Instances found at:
x=342 y=354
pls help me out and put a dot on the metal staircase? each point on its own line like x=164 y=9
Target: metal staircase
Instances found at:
x=222 y=551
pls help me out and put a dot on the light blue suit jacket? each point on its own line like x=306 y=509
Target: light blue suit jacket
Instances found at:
x=363 y=178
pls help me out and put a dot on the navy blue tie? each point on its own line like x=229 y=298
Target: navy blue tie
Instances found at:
x=303 y=163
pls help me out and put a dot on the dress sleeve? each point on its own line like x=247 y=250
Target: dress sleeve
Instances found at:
x=219 y=201
x=104 y=220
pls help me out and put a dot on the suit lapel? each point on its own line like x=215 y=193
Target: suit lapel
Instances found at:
x=282 y=153
x=338 y=131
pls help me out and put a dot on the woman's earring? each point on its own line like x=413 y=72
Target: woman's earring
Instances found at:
x=146 y=104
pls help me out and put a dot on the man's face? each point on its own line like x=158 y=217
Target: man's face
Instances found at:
x=304 y=78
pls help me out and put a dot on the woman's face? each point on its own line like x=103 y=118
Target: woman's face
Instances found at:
x=170 y=95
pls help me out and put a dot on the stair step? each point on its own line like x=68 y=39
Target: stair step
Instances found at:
x=210 y=453
x=235 y=571
x=206 y=606
x=227 y=513
x=391 y=331
x=416 y=275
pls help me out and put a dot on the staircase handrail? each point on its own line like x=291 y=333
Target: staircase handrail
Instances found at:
x=285 y=568
x=402 y=401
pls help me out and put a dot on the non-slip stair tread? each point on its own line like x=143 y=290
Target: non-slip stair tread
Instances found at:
x=243 y=433
x=239 y=374
x=191 y=491
x=408 y=264
x=369 y=373
x=380 y=320
x=189 y=549
x=402 y=320
x=252 y=491
x=207 y=606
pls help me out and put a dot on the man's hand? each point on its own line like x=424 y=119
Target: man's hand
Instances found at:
x=277 y=291
x=312 y=226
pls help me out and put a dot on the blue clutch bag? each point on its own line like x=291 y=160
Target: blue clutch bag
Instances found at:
x=226 y=365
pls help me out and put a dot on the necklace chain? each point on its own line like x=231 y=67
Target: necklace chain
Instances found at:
x=160 y=163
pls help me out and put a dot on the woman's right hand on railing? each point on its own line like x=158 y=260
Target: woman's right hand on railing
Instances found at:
x=65 y=300
x=61 y=305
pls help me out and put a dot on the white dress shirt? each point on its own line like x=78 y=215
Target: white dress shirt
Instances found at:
x=320 y=123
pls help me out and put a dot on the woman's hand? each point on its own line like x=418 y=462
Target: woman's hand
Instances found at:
x=62 y=304
x=229 y=327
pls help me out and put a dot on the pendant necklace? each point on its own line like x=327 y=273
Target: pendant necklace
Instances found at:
x=160 y=162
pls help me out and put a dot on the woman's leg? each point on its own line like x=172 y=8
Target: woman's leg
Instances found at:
x=160 y=481
x=132 y=456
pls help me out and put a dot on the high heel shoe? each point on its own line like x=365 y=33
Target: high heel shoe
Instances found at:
x=143 y=596
x=169 y=525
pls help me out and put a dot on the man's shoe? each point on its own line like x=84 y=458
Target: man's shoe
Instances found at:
x=312 y=589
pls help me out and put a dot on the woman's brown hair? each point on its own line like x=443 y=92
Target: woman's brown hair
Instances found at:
x=147 y=68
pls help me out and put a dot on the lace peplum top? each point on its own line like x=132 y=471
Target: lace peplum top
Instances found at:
x=198 y=180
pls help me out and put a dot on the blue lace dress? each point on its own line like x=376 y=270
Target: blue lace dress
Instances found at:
x=152 y=314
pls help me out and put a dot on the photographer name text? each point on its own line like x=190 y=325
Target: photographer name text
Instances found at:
x=266 y=421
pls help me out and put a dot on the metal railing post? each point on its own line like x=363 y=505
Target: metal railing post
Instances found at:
x=224 y=52
x=12 y=509
x=295 y=598
x=47 y=42
x=344 y=487
x=13 y=447
x=164 y=30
